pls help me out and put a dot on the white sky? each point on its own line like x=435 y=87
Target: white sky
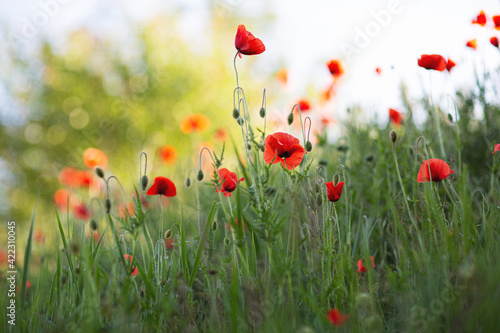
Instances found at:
x=303 y=35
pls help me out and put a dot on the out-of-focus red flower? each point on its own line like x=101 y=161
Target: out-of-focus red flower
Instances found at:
x=378 y=70
x=432 y=61
x=326 y=120
x=480 y=19
x=93 y=157
x=168 y=154
x=335 y=317
x=62 y=198
x=75 y=178
x=126 y=209
x=86 y=178
x=284 y=148
x=362 y=268
x=228 y=182
x=335 y=68
x=395 y=116
x=81 y=212
x=496 y=21
x=304 y=105
x=472 y=44
x=195 y=123
x=220 y=134
x=39 y=236
x=494 y=41
x=162 y=186
x=334 y=192
x=236 y=223
x=246 y=43
x=497 y=148
x=450 y=64
x=169 y=243
x=282 y=76
x=439 y=170
x=134 y=270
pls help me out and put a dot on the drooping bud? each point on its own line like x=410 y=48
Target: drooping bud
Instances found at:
x=290 y=118
x=336 y=179
x=93 y=225
x=168 y=234
x=99 y=172
x=188 y=182
x=309 y=146
x=450 y=118
x=226 y=241
x=240 y=121
x=108 y=206
x=214 y=226
x=144 y=182
x=319 y=200
x=200 y=175
x=262 y=112
x=394 y=136
x=249 y=147
x=236 y=113
x=323 y=162
x=317 y=188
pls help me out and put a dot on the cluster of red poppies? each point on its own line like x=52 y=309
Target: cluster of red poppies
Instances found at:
x=482 y=20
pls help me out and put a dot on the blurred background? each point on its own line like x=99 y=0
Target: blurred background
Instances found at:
x=121 y=77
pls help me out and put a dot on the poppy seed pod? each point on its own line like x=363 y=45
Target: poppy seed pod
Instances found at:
x=290 y=118
x=168 y=233
x=236 y=113
x=188 y=182
x=309 y=146
x=108 y=206
x=99 y=172
x=93 y=225
x=200 y=176
x=144 y=182
x=240 y=121
x=394 y=136
x=262 y=112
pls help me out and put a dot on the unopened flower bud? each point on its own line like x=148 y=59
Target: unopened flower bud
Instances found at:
x=99 y=172
x=262 y=112
x=290 y=118
x=336 y=179
x=214 y=226
x=168 y=234
x=93 y=225
x=144 y=182
x=323 y=162
x=317 y=188
x=450 y=118
x=394 y=136
x=236 y=113
x=309 y=146
x=240 y=121
x=249 y=147
x=188 y=182
x=200 y=176
x=319 y=200
x=108 y=206
x=226 y=241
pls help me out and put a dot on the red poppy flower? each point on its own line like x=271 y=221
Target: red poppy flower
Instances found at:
x=220 y=134
x=195 y=123
x=61 y=198
x=432 y=61
x=378 y=70
x=228 y=180
x=94 y=157
x=236 y=223
x=169 y=243
x=362 y=268
x=282 y=76
x=39 y=236
x=86 y=178
x=246 y=43
x=134 y=270
x=81 y=212
x=439 y=170
x=334 y=191
x=472 y=44
x=162 y=186
x=335 y=68
x=336 y=317
x=168 y=154
x=450 y=64
x=304 y=105
x=284 y=148
x=481 y=19
x=497 y=148
x=395 y=116
x=496 y=21
x=494 y=41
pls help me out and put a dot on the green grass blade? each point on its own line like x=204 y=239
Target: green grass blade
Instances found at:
x=27 y=256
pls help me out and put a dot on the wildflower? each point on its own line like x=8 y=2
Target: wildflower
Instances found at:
x=195 y=123
x=282 y=76
x=39 y=236
x=432 y=61
x=220 y=134
x=81 y=212
x=362 y=268
x=336 y=317
x=134 y=270
x=494 y=41
x=496 y=21
x=94 y=157
x=304 y=105
x=168 y=154
x=162 y=186
x=228 y=180
x=334 y=191
x=284 y=148
x=481 y=19
x=472 y=44
x=236 y=223
x=395 y=116
x=378 y=70
x=497 y=148
x=169 y=243
x=450 y=64
x=439 y=170
x=246 y=43
x=335 y=68
x=61 y=198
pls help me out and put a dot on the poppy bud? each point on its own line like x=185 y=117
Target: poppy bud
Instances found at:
x=336 y=179
x=319 y=200
x=394 y=136
x=188 y=182
x=108 y=206
x=200 y=176
x=450 y=118
x=282 y=201
x=236 y=113
x=99 y=172
x=370 y=158
x=93 y=225
x=226 y=241
x=75 y=247
x=363 y=299
x=317 y=188
x=168 y=233
x=309 y=146
x=249 y=147
x=212 y=272
x=323 y=162
x=240 y=121
x=290 y=118
x=343 y=148
x=214 y=226
x=262 y=112
x=144 y=182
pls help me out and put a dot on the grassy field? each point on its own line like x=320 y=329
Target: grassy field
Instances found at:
x=381 y=253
